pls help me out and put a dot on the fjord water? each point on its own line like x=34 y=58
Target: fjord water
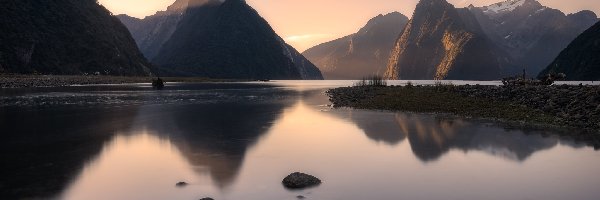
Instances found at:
x=236 y=141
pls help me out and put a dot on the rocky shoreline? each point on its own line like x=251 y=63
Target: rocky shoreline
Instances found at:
x=33 y=81
x=560 y=106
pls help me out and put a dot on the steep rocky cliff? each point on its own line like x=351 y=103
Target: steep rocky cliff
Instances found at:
x=361 y=54
x=66 y=37
x=581 y=59
x=216 y=39
x=442 y=42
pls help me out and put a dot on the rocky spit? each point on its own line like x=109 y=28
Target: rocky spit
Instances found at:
x=33 y=81
x=571 y=106
x=561 y=106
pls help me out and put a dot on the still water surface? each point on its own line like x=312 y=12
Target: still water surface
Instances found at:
x=237 y=141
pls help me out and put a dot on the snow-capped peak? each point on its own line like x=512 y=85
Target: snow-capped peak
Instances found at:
x=506 y=6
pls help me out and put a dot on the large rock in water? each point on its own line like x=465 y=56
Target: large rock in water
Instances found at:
x=581 y=59
x=66 y=37
x=361 y=54
x=216 y=39
x=299 y=180
x=442 y=42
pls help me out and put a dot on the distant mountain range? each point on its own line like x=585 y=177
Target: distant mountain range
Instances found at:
x=581 y=59
x=229 y=39
x=66 y=37
x=531 y=33
x=217 y=39
x=442 y=42
x=361 y=54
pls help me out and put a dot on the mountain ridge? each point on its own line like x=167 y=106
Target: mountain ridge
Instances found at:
x=533 y=34
x=360 y=54
x=224 y=39
x=580 y=60
x=442 y=42
x=68 y=38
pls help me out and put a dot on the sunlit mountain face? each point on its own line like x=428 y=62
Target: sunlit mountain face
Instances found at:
x=443 y=42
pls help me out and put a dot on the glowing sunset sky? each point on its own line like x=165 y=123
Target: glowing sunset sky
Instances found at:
x=305 y=23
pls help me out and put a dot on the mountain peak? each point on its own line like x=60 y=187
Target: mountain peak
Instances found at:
x=223 y=39
x=433 y=3
x=510 y=5
x=442 y=42
x=361 y=54
x=584 y=14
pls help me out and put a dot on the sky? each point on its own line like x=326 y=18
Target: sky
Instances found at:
x=306 y=23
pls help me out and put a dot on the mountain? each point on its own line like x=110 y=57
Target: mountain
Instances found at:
x=66 y=37
x=531 y=33
x=153 y=31
x=442 y=42
x=580 y=60
x=217 y=39
x=361 y=54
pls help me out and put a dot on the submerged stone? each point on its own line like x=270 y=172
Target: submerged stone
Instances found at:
x=299 y=180
x=181 y=184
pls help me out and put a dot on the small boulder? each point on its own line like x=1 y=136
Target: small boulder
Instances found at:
x=181 y=184
x=299 y=180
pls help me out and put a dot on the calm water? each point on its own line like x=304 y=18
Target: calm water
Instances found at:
x=235 y=141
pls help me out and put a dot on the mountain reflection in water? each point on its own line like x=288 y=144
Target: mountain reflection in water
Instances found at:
x=430 y=137
x=236 y=141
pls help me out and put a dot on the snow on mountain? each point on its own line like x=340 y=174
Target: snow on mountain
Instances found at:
x=508 y=5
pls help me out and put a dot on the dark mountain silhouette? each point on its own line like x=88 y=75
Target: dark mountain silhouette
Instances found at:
x=216 y=39
x=66 y=37
x=361 y=54
x=531 y=33
x=442 y=42
x=581 y=59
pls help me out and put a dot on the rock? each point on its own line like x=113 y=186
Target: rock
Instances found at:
x=181 y=184
x=300 y=197
x=299 y=180
x=207 y=198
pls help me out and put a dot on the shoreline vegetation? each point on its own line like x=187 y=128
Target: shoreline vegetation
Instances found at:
x=33 y=81
x=563 y=107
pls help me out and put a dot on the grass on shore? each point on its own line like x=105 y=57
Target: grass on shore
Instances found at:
x=434 y=99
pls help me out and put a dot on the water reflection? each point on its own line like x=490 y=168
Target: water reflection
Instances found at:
x=42 y=150
x=236 y=141
x=213 y=138
x=431 y=137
